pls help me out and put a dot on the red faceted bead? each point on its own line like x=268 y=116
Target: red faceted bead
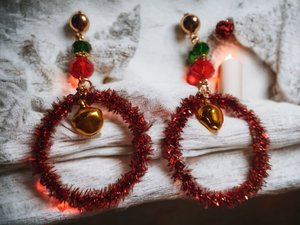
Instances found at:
x=202 y=69
x=224 y=29
x=81 y=66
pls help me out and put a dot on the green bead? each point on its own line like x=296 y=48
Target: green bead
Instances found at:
x=201 y=48
x=81 y=46
x=192 y=56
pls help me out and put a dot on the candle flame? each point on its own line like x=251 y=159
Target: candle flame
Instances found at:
x=228 y=57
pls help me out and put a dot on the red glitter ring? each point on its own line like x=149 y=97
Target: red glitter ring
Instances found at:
x=171 y=151
x=92 y=199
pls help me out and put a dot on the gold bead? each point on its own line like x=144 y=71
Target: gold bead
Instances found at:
x=211 y=117
x=88 y=120
x=79 y=22
x=195 y=39
x=80 y=37
x=190 y=23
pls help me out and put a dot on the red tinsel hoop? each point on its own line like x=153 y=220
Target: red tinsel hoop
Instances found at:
x=92 y=199
x=172 y=152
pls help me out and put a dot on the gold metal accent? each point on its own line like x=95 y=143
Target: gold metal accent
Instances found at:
x=88 y=120
x=82 y=86
x=84 y=23
x=195 y=39
x=204 y=88
x=211 y=117
x=193 y=35
x=79 y=36
x=196 y=20
x=82 y=54
x=200 y=57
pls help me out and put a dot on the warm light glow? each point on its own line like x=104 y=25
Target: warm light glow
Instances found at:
x=187 y=69
x=73 y=81
x=228 y=57
x=41 y=189
x=192 y=80
x=64 y=206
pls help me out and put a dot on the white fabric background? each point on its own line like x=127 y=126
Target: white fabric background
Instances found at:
x=138 y=51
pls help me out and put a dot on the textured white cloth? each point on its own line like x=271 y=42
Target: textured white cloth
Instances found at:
x=137 y=50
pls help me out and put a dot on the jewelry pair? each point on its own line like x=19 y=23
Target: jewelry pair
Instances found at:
x=88 y=121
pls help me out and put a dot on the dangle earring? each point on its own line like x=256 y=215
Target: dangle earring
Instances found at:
x=208 y=114
x=208 y=110
x=89 y=121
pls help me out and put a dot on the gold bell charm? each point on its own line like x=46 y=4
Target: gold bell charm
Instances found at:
x=88 y=120
x=209 y=115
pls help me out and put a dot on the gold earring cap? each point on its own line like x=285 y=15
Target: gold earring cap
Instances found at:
x=79 y=22
x=190 y=23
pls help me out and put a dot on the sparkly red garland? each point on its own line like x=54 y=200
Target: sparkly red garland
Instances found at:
x=172 y=152
x=92 y=199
